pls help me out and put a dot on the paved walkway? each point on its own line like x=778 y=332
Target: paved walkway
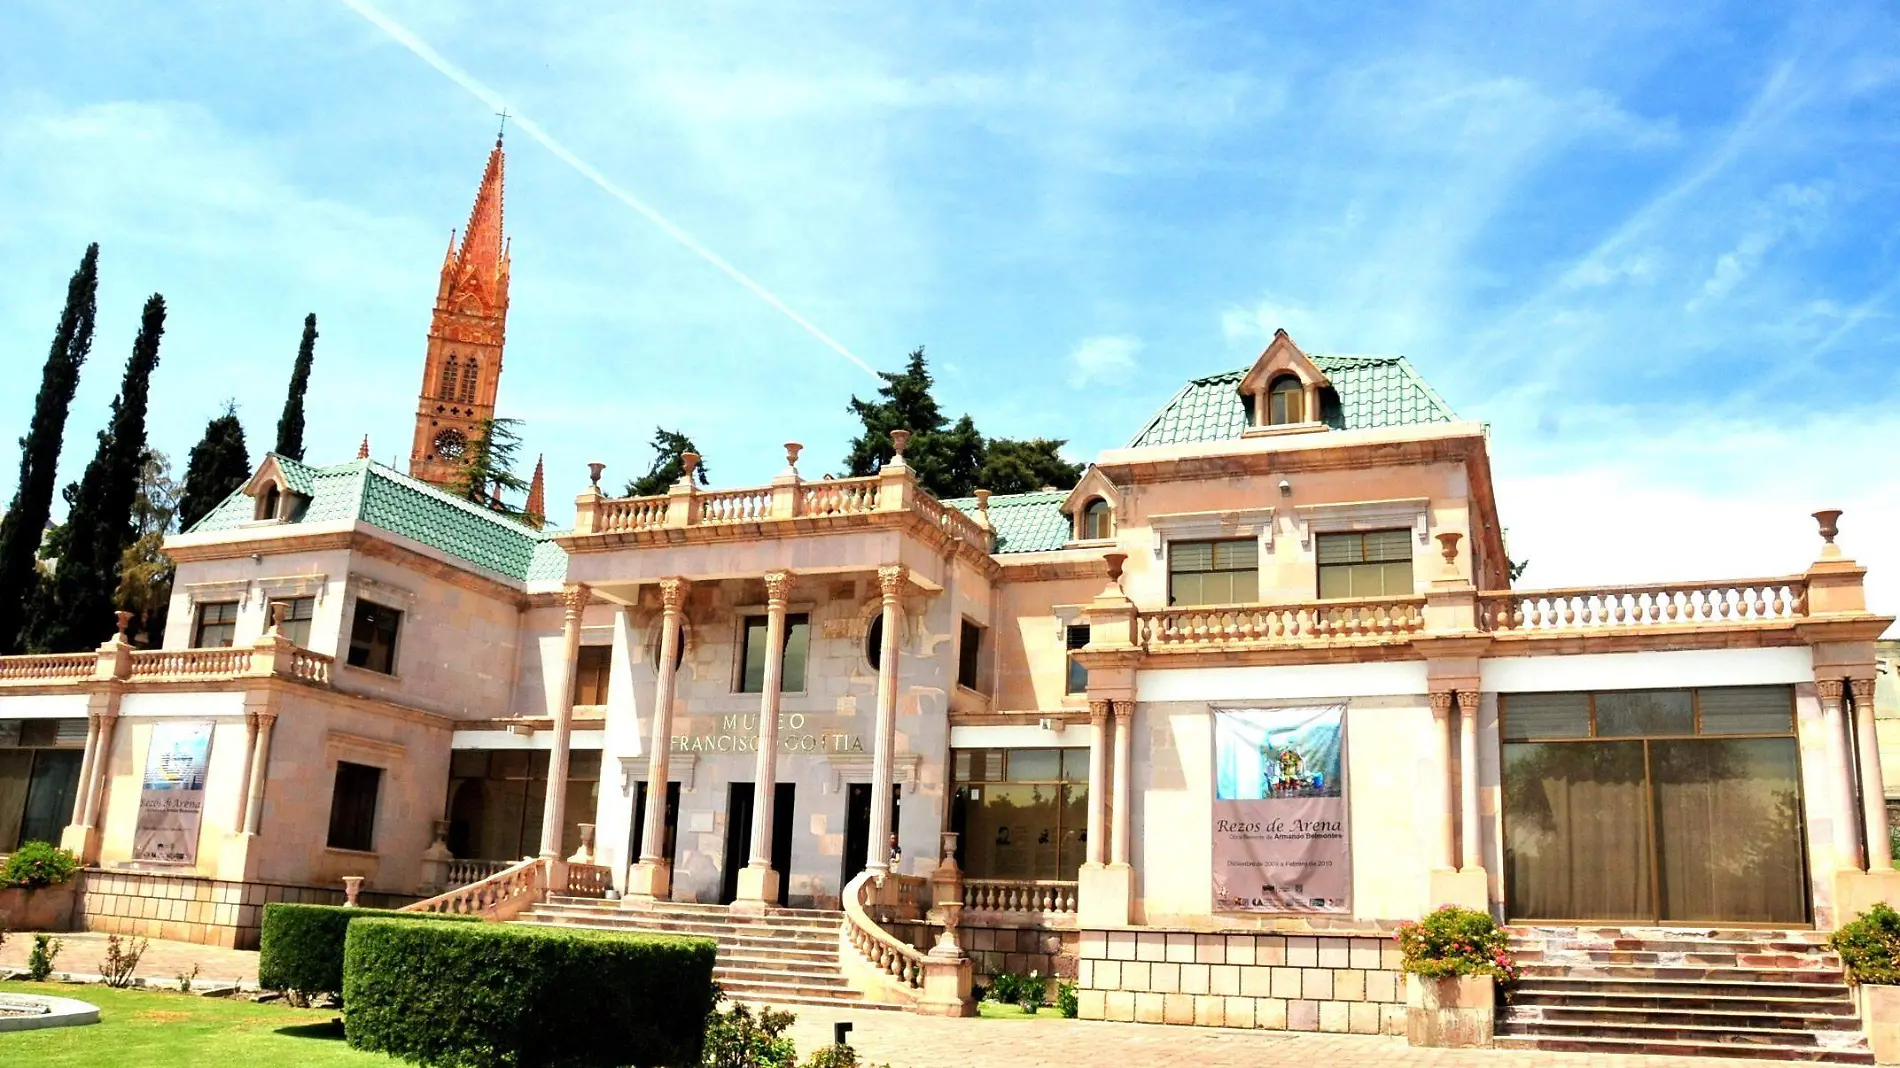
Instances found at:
x=163 y=960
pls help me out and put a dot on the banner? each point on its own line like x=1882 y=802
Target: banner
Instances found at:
x=172 y=797
x=1280 y=840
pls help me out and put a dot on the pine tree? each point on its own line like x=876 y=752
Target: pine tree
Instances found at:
x=77 y=613
x=218 y=464
x=145 y=572
x=667 y=467
x=488 y=470
x=290 y=424
x=1011 y=466
x=25 y=522
x=945 y=457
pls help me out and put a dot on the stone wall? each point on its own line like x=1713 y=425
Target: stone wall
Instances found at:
x=189 y=908
x=1278 y=982
x=1004 y=949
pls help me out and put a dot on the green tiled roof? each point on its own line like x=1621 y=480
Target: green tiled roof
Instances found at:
x=1373 y=391
x=1024 y=522
x=369 y=492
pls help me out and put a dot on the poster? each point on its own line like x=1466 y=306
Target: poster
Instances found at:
x=1280 y=840
x=172 y=796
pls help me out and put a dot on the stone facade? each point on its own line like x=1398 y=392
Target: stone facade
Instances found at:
x=214 y=912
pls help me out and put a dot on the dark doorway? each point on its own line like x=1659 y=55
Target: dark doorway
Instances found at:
x=49 y=794
x=640 y=821
x=857 y=827
x=738 y=839
x=783 y=798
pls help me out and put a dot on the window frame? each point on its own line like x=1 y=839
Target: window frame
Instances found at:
x=600 y=675
x=792 y=619
x=970 y=654
x=1174 y=547
x=1277 y=389
x=199 y=623
x=367 y=823
x=1097 y=520
x=1075 y=679
x=1320 y=569
x=394 y=643
x=291 y=619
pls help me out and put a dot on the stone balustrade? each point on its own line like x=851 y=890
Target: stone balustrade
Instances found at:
x=502 y=896
x=1315 y=623
x=845 y=496
x=267 y=657
x=898 y=964
x=589 y=880
x=1727 y=602
x=191 y=663
x=48 y=667
x=1026 y=896
x=466 y=872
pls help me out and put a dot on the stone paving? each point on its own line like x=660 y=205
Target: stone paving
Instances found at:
x=903 y=1040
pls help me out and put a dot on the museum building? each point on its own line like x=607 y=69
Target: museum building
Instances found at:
x=1260 y=679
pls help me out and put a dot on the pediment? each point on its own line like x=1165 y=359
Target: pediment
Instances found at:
x=1092 y=484
x=1282 y=356
x=268 y=473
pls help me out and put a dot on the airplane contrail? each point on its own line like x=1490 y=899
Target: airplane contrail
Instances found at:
x=420 y=48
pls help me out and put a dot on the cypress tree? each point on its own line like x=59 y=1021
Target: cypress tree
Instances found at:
x=25 y=521
x=78 y=613
x=290 y=424
x=668 y=467
x=946 y=457
x=218 y=464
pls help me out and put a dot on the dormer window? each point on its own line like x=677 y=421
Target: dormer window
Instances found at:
x=1281 y=392
x=1098 y=521
x=1090 y=507
x=270 y=504
x=1286 y=401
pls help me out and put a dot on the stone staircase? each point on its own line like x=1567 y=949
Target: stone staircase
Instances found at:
x=1773 y=995
x=785 y=957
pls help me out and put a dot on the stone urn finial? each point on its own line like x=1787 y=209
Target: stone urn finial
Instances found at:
x=1830 y=521
x=900 y=440
x=1115 y=562
x=352 y=886
x=278 y=611
x=125 y=620
x=593 y=473
x=983 y=500
x=1449 y=546
x=792 y=449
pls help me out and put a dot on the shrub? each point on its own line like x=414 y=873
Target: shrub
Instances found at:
x=1457 y=941
x=121 y=960
x=1067 y=1003
x=39 y=962
x=737 y=1039
x=38 y=864
x=1033 y=993
x=492 y=995
x=1006 y=988
x=838 y=1057
x=301 y=947
x=1869 y=946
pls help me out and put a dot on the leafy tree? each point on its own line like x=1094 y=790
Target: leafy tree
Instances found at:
x=488 y=470
x=218 y=464
x=76 y=613
x=290 y=424
x=145 y=572
x=1011 y=466
x=668 y=467
x=24 y=526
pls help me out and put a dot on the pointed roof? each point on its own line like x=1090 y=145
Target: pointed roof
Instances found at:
x=362 y=451
x=482 y=243
x=537 y=506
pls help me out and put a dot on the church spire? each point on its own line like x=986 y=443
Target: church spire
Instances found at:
x=483 y=249
x=537 y=507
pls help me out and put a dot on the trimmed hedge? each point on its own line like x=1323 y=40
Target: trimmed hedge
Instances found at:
x=301 y=946
x=499 y=995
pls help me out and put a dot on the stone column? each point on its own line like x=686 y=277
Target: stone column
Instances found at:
x=1124 y=771
x=1840 y=768
x=1470 y=858
x=890 y=579
x=1444 y=850
x=1099 y=787
x=1873 y=785
x=554 y=809
x=652 y=876
x=85 y=768
x=758 y=883
x=260 y=768
x=96 y=785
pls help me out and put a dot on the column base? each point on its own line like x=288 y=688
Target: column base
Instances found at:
x=82 y=841
x=649 y=880
x=1105 y=895
x=758 y=889
x=1857 y=891
x=947 y=984
x=238 y=858
x=1470 y=889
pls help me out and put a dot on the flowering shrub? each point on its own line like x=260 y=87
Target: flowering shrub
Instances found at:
x=1869 y=946
x=38 y=864
x=1457 y=941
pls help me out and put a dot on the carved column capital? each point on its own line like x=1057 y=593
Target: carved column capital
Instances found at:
x=574 y=600
x=1863 y=690
x=891 y=579
x=673 y=593
x=1099 y=711
x=1829 y=690
x=1124 y=710
x=777 y=585
x=1467 y=702
x=1441 y=703
x=264 y=719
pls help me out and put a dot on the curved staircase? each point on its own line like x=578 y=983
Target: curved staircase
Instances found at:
x=784 y=957
x=1775 y=995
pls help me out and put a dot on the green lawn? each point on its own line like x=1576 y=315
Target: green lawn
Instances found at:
x=140 y=1028
x=996 y=1010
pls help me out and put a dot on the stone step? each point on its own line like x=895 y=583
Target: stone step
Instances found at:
x=1684 y=1049
x=833 y=979
x=1692 y=973
x=766 y=989
x=770 y=948
x=1748 y=1002
x=801 y=1001
x=664 y=925
x=1737 y=1019
x=1665 y=934
x=1567 y=984
x=699 y=908
x=1679 y=958
x=787 y=919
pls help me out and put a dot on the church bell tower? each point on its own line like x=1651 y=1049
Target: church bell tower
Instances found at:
x=462 y=366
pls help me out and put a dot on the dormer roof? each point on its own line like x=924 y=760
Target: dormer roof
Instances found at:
x=1282 y=356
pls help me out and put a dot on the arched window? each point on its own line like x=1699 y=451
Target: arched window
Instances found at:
x=1098 y=521
x=446 y=388
x=874 y=642
x=450 y=445
x=470 y=371
x=267 y=506
x=1286 y=401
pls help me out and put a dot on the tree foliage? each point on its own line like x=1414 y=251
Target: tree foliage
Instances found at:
x=950 y=459
x=75 y=610
x=218 y=464
x=145 y=572
x=290 y=424
x=24 y=525
x=488 y=471
x=668 y=467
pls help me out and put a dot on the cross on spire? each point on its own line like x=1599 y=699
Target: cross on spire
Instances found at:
x=503 y=113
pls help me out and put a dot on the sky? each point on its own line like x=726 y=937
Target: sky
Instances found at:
x=1655 y=247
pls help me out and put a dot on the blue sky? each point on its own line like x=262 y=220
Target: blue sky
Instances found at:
x=1654 y=246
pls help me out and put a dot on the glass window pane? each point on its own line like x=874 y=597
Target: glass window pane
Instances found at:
x=1383 y=546
x=1075 y=826
x=1246 y=587
x=583 y=764
x=1747 y=709
x=1190 y=556
x=1078 y=680
x=992 y=765
x=1075 y=765
x=752 y=674
x=1035 y=765
x=1631 y=713
x=797 y=648
x=1185 y=589
x=468 y=763
x=1340 y=549
x=1234 y=555
x=1397 y=579
x=1335 y=582
x=1546 y=715
x=1576 y=831
x=1728 y=830
x=960 y=763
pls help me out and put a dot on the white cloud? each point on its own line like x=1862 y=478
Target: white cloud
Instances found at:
x=1103 y=359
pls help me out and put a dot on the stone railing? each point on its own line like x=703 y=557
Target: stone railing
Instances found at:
x=48 y=667
x=1726 y=602
x=843 y=496
x=897 y=967
x=633 y=514
x=191 y=663
x=502 y=896
x=311 y=667
x=735 y=506
x=465 y=872
x=589 y=880
x=1313 y=623
x=1045 y=896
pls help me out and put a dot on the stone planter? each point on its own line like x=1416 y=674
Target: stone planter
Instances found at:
x=1458 y=1012
x=1880 y=1019
x=49 y=908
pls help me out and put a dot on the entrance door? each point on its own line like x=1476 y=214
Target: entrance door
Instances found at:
x=1654 y=806
x=784 y=796
x=49 y=794
x=857 y=827
x=672 y=821
x=738 y=839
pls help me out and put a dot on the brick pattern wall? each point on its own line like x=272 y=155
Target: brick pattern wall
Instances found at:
x=1004 y=949
x=1278 y=982
x=189 y=908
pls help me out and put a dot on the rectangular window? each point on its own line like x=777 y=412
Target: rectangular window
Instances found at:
x=591 y=666
x=217 y=625
x=1373 y=563
x=969 y=652
x=373 y=637
x=297 y=619
x=752 y=655
x=353 y=806
x=1021 y=813
x=1078 y=680
x=1214 y=572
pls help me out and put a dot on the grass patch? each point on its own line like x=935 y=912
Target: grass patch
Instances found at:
x=140 y=1028
x=996 y=1010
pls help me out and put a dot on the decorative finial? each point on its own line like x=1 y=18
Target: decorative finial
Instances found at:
x=1830 y=521
x=792 y=449
x=593 y=473
x=1115 y=562
x=983 y=500
x=278 y=610
x=690 y=462
x=1449 y=540
x=362 y=451
x=503 y=127
x=125 y=620
x=900 y=439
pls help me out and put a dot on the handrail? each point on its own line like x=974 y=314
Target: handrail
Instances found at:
x=464 y=872
x=1310 y=623
x=589 y=880
x=48 y=667
x=633 y=513
x=312 y=667
x=735 y=506
x=502 y=896
x=1019 y=895
x=838 y=496
x=191 y=663
x=1657 y=604
x=899 y=964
